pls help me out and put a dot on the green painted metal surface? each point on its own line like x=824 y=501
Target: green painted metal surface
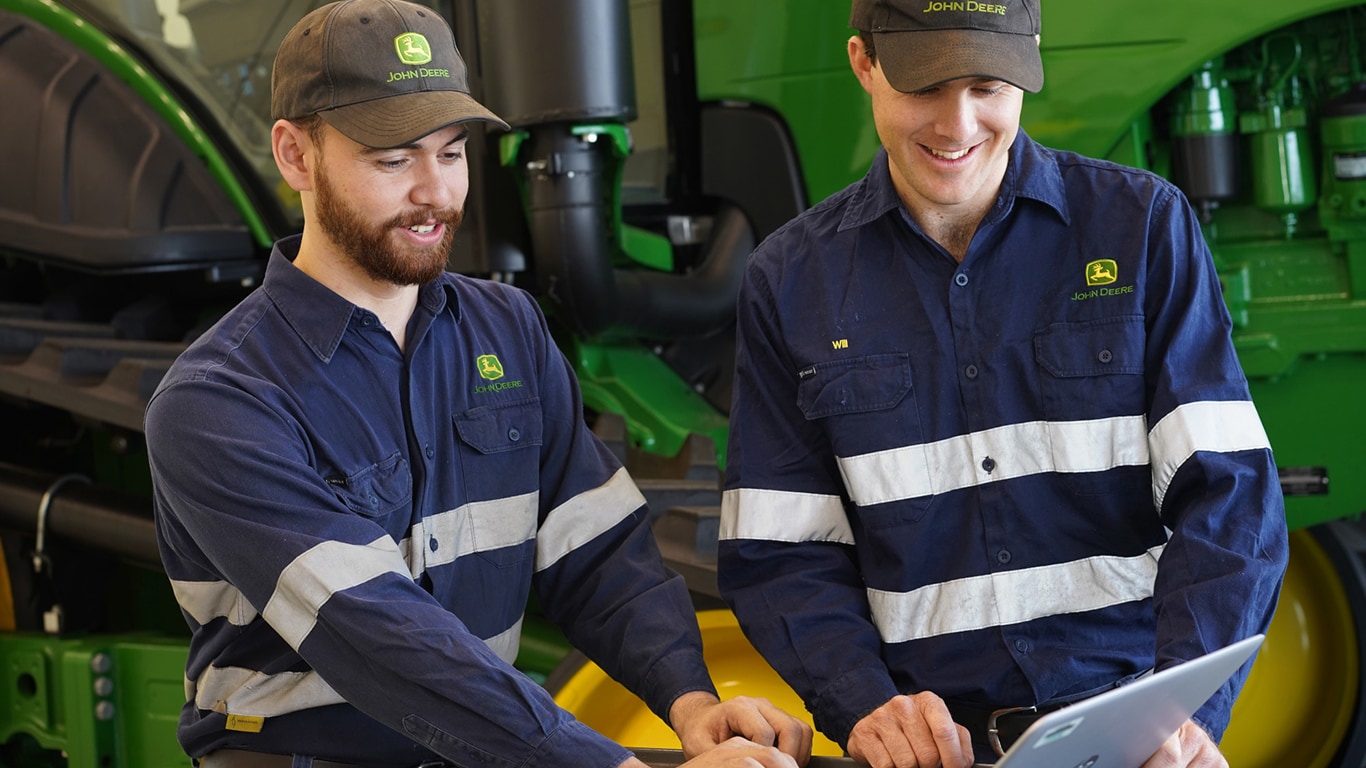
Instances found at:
x=661 y=410
x=94 y=702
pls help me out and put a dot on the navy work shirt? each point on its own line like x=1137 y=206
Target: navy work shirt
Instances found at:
x=353 y=531
x=1008 y=480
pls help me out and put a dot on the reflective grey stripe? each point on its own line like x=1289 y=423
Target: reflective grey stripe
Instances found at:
x=585 y=517
x=209 y=600
x=1220 y=426
x=479 y=526
x=508 y=642
x=238 y=691
x=1017 y=449
x=314 y=576
x=1012 y=597
x=757 y=513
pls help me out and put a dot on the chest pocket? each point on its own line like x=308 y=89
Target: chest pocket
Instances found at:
x=377 y=491
x=868 y=404
x=500 y=467
x=1094 y=370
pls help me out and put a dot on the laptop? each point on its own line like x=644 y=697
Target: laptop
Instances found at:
x=1122 y=727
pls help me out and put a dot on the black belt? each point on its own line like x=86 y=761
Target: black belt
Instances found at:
x=241 y=758
x=997 y=728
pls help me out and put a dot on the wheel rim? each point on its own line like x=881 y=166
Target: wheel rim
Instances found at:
x=1301 y=694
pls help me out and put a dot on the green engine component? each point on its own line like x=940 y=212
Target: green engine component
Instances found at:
x=1282 y=170
x=1342 y=209
x=1205 y=138
x=1283 y=179
x=91 y=702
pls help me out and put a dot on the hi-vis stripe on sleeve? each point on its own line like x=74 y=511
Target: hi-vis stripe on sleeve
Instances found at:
x=585 y=517
x=209 y=600
x=321 y=572
x=508 y=642
x=1221 y=426
x=756 y=513
x=1013 y=597
x=1018 y=450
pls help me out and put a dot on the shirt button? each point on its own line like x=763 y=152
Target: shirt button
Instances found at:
x=960 y=278
x=430 y=451
x=367 y=321
x=1105 y=356
x=1022 y=646
x=1003 y=556
x=374 y=501
x=970 y=371
x=431 y=543
x=988 y=464
x=514 y=434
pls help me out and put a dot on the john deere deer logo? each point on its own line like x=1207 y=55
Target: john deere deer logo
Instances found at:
x=489 y=367
x=412 y=48
x=1101 y=272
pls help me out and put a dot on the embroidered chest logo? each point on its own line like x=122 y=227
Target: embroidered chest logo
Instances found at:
x=1101 y=276
x=491 y=370
x=1101 y=272
x=489 y=367
x=412 y=49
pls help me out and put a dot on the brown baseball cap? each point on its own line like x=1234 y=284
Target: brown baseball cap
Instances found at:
x=922 y=43
x=383 y=72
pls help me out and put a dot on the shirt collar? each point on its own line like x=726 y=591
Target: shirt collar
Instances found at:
x=318 y=314
x=1031 y=172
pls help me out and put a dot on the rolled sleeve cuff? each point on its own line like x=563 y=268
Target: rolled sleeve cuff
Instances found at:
x=849 y=699
x=577 y=744
x=673 y=676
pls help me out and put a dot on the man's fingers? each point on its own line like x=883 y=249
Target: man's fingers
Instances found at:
x=949 y=742
x=1189 y=747
x=911 y=732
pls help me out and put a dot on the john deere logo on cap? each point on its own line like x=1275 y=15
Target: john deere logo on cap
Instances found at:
x=489 y=367
x=413 y=48
x=1101 y=272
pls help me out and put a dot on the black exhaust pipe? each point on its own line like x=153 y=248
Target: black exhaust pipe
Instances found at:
x=571 y=68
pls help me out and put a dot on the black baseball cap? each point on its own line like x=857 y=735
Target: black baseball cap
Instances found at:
x=383 y=72
x=922 y=43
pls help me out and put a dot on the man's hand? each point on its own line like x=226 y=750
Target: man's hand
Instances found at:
x=733 y=753
x=911 y=732
x=1189 y=747
x=702 y=722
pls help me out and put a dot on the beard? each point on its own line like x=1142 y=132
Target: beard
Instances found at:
x=372 y=247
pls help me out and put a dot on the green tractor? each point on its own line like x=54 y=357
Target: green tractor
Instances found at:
x=655 y=143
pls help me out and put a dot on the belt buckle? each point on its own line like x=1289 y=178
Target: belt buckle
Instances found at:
x=994 y=733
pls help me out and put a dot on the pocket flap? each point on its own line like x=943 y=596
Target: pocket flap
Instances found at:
x=870 y=383
x=1091 y=348
x=499 y=428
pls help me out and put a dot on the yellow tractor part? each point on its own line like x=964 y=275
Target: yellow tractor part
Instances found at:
x=1302 y=692
x=736 y=668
